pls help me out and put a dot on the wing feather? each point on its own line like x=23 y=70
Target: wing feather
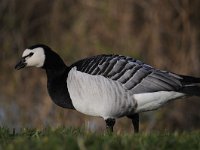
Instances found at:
x=133 y=74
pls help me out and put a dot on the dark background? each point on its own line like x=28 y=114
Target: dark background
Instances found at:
x=164 y=34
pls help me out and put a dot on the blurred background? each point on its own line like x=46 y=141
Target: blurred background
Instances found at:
x=164 y=34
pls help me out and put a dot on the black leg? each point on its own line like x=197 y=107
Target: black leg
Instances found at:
x=135 y=120
x=110 y=122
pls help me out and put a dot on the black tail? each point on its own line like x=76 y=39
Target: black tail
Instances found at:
x=191 y=85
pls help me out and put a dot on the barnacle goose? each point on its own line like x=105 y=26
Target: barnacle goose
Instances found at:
x=109 y=86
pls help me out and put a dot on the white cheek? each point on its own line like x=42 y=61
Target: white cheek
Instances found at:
x=36 y=61
x=40 y=61
x=31 y=62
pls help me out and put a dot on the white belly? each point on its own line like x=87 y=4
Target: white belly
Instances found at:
x=152 y=101
x=99 y=96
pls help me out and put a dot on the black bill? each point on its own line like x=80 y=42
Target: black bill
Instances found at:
x=21 y=64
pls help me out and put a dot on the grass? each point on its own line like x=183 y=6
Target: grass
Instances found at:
x=70 y=138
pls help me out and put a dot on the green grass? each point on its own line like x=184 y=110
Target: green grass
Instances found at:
x=69 y=138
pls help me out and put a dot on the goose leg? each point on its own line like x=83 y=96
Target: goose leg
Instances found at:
x=110 y=122
x=135 y=121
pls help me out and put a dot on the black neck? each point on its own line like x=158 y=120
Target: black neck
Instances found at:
x=57 y=86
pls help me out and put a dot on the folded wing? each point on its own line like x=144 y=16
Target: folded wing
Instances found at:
x=134 y=75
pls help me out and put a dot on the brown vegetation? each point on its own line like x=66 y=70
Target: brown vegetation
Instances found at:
x=165 y=34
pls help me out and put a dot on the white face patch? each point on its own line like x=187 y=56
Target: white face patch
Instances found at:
x=37 y=59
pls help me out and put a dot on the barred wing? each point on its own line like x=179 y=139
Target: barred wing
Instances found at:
x=134 y=75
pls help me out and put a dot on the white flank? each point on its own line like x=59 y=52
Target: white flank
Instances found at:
x=99 y=96
x=152 y=101
x=37 y=59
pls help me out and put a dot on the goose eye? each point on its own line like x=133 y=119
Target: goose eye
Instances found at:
x=31 y=54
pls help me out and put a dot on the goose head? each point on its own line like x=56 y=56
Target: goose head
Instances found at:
x=40 y=56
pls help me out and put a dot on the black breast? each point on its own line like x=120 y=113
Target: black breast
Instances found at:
x=57 y=88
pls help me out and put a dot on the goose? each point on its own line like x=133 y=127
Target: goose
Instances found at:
x=108 y=86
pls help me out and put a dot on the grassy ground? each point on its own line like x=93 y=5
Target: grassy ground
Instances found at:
x=68 y=138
